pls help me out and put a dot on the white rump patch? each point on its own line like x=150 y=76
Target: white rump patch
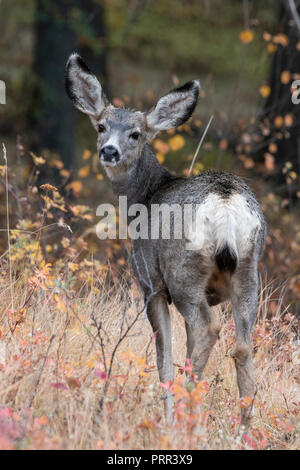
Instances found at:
x=223 y=221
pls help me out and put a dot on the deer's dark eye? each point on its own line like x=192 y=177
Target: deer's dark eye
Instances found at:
x=101 y=128
x=135 y=135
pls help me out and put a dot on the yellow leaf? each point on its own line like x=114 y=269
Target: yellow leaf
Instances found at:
x=160 y=157
x=293 y=175
x=65 y=242
x=176 y=142
x=265 y=90
x=99 y=176
x=60 y=303
x=198 y=167
x=86 y=155
x=84 y=171
x=37 y=160
x=246 y=36
x=73 y=267
x=285 y=77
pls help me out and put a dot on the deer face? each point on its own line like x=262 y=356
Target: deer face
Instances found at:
x=122 y=133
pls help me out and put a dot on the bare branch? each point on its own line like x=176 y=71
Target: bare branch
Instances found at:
x=295 y=14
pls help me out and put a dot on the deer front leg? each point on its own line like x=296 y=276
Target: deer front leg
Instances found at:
x=189 y=341
x=159 y=317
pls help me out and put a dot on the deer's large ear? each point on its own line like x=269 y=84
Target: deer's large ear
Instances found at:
x=83 y=88
x=175 y=108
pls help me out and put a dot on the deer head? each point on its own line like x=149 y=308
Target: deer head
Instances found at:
x=122 y=133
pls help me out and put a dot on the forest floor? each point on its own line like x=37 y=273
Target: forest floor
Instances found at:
x=78 y=371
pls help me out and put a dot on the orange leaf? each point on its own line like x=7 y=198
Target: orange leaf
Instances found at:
x=223 y=144
x=86 y=155
x=48 y=187
x=273 y=148
x=285 y=77
x=271 y=48
x=267 y=36
x=281 y=39
x=161 y=146
x=84 y=171
x=75 y=186
x=278 y=121
x=288 y=120
x=269 y=161
x=246 y=36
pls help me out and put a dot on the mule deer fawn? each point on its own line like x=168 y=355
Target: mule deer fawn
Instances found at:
x=232 y=229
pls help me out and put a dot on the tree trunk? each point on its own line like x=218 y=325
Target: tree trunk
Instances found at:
x=285 y=68
x=93 y=48
x=62 y=26
x=53 y=119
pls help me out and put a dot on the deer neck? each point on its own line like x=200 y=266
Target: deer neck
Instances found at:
x=143 y=179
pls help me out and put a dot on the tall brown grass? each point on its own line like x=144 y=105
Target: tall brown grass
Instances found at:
x=55 y=351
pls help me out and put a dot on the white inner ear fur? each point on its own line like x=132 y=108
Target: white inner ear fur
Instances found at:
x=172 y=108
x=85 y=87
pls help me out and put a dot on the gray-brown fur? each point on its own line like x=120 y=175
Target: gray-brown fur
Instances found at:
x=192 y=280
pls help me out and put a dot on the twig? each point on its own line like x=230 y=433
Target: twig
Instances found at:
x=200 y=143
x=294 y=14
x=41 y=370
x=111 y=362
x=7 y=223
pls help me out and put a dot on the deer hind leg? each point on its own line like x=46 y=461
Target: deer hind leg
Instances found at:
x=202 y=333
x=189 y=341
x=159 y=317
x=244 y=302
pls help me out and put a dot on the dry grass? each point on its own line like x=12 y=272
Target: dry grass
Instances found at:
x=54 y=363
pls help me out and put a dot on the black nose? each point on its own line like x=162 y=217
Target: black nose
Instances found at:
x=110 y=154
